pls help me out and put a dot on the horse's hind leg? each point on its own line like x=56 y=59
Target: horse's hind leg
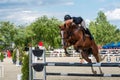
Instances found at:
x=97 y=57
x=86 y=57
x=96 y=54
x=100 y=70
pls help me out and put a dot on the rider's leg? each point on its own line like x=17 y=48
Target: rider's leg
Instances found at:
x=86 y=29
x=89 y=33
x=83 y=24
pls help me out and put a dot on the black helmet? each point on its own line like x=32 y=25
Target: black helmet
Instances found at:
x=67 y=17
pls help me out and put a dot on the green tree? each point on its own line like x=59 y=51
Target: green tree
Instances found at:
x=1 y=57
x=14 y=57
x=20 y=36
x=103 y=31
x=7 y=30
x=46 y=30
x=25 y=68
x=1 y=42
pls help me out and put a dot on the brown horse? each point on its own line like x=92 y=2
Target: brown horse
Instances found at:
x=65 y=36
x=66 y=42
x=74 y=35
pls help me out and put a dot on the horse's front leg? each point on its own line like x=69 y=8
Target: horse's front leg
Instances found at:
x=101 y=72
x=86 y=57
x=77 y=46
x=65 y=49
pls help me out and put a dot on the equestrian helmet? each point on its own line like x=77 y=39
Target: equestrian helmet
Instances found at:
x=67 y=17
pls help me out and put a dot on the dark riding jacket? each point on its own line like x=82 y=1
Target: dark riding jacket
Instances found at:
x=77 y=20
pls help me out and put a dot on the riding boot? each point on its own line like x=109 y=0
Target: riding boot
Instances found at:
x=88 y=32
x=84 y=34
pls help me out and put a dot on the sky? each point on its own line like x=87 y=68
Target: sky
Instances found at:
x=23 y=12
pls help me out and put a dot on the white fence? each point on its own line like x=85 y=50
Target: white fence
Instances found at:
x=1 y=71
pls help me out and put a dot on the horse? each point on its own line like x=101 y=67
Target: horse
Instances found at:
x=64 y=36
x=75 y=35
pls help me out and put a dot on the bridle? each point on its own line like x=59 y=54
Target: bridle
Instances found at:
x=64 y=34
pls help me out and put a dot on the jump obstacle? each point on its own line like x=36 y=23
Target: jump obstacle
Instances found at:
x=41 y=67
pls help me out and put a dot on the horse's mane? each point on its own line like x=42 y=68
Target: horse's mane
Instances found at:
x=72 y=26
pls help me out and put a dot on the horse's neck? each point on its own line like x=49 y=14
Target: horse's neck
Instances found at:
x=74 y=29
x=77 y=29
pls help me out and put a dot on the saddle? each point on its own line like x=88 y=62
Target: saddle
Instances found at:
x=86 y=32
x=79 y=27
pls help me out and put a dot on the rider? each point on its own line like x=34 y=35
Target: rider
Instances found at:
x=80 y=22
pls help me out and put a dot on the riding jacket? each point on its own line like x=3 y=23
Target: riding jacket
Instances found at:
x=79 y=20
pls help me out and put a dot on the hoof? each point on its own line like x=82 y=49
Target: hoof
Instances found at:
x=101 y=72
x=68 y=55
x=81 y=61
x=94 y=72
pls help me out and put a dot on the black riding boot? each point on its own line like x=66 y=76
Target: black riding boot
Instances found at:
x=88 y=32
